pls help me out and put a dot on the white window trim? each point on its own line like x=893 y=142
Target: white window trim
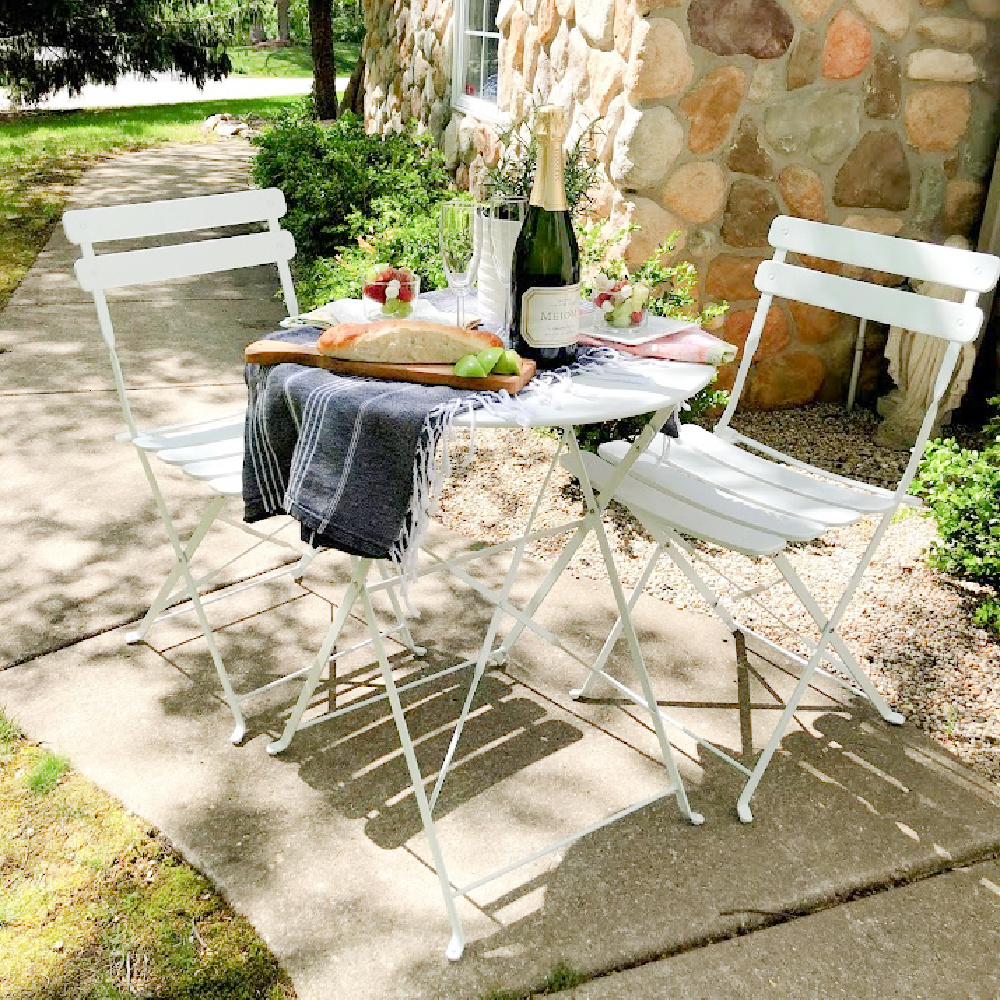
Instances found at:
x=475 y=106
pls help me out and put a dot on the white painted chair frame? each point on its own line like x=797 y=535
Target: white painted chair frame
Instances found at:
x=209 y=450
x=728 y=489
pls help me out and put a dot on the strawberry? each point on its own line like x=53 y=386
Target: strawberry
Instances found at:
x=637 y=316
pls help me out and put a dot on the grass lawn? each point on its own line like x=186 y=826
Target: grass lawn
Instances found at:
x=290 y=60
x=94 y=905
x=42 y=153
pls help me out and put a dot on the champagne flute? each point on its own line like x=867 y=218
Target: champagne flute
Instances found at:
x=505 y=216
x=461 y=246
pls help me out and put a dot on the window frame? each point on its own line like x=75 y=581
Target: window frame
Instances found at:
x=460 y=101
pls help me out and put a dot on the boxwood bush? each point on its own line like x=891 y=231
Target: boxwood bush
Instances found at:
x=353 y=198
x=961 y=487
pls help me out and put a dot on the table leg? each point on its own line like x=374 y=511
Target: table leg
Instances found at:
x=594 y=507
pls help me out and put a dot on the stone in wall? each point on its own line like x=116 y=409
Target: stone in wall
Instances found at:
x=765 y=83
x=773 y=338
x=848 y=47
x=781 y=383
x=936 y=117
x=711 y=107
x=548 y=21
x=813 y=324
x=803 y=60
x=750 y=209
x=962 y=205
x=746 y=156
x=543 y=78
x=532 y=47
x=577 y=64
x=658 y=64
x=730 y=278
x=655 y=226
x=978 y=148
x=883 y=88
x=695 y=191
x=811 y=10
x=605 y=143
x=606 y=71
x=625 y=17
x=596 y=19
x=892 y=16
x=942 y=66
x=955 y=32
x=822 y=124
x=876 y=174
x=758 y=28
x=565 y=9
x=559 y=51
x=990 y=9
x=929 y=196
x=646 y=145
x=802 y=190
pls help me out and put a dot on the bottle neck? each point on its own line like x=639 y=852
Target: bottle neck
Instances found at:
x=549 y=189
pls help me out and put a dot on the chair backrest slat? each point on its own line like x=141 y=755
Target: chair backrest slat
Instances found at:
x=893 y=306
x=138 y=267
x=178 y=215
x=923 y=261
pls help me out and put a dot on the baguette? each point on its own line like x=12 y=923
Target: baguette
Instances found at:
x=404 y=341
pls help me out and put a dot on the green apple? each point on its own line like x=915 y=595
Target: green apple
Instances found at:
x=488 y=358
x=469 y=367
x=396 y=307
x=509 y=363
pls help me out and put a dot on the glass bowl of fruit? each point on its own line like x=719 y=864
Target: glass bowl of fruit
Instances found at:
x=389 y=292
x=619 y=304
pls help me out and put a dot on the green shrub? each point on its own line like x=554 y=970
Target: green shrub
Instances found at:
x=961 y=487
x=341 y=184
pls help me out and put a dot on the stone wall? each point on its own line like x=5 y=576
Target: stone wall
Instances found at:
x=718 y=115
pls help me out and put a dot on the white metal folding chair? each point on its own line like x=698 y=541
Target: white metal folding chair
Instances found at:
x=208 y=450
x=732 y=491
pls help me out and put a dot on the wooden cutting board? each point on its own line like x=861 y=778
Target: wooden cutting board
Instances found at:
x=275 y=352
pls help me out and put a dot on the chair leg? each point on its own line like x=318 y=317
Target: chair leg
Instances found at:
x=166 y=591
x=354 y=588
x=639 y=664
x=840 y=647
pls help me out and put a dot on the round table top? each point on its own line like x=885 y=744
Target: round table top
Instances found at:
x=601 y=393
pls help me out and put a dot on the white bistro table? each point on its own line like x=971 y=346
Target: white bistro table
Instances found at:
x=593 y=396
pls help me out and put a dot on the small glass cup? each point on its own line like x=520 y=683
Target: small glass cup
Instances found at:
x=391 y=299
x=626 y=324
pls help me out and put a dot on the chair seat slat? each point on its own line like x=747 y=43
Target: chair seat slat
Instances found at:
x=140 y=267
x=734 y=500
x=923 y=261
x=215 y=468
x=203 y=452
x=177 y=215
x=892 y=306
x=699 y=441
x=653 y=509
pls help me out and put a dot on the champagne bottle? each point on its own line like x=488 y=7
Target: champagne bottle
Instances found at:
x=546 y=268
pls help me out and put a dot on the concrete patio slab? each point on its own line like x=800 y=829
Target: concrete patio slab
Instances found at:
x=933 y=939
x=322 y=847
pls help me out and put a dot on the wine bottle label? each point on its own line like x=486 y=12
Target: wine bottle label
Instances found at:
x=550 y=317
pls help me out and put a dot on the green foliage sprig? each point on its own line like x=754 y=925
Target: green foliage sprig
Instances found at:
x=514 y=173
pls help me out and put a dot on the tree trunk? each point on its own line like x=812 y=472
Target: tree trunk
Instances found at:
x=283 y=32
x=324 y=61
x=354 y=96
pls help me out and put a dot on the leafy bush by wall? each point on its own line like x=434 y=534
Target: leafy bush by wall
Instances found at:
x=341 y=184
x=961 y=487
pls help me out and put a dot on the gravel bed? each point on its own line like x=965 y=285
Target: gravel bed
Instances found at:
x=910 y=626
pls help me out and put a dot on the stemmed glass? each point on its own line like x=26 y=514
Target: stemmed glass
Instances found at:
x=504 y=218
x=461 y=246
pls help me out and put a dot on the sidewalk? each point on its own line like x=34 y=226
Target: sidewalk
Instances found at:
x=321 y=849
